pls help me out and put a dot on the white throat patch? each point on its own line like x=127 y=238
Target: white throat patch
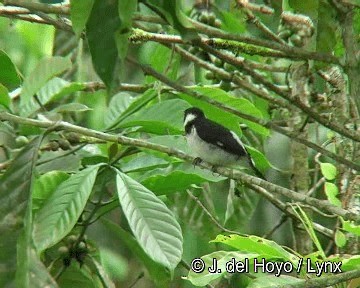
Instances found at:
x=189 y=117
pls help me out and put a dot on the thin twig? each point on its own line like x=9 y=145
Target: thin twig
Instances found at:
x=212 y=218
x=282 y=220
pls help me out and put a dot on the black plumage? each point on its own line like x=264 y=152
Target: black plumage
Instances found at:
x=220 y=140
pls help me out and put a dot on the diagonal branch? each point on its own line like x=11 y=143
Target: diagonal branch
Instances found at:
x=232 y=174
x=292 y=135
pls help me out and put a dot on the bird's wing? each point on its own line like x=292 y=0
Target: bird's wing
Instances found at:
x=221 y=137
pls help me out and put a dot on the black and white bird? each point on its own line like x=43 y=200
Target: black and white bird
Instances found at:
x=213 y=142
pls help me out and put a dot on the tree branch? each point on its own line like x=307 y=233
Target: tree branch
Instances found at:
x=292 y=135
x=232 y=174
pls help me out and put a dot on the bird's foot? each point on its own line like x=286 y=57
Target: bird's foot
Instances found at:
x=197 y=161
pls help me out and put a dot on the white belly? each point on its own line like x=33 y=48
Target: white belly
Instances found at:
x=208 y=152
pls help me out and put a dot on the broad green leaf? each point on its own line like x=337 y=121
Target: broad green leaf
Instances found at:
x=153 y=224
x=327 y=33
x=161 y=118
x=253 y=244
x=59 y=160
x=135 y=106
x=46 y=69
x=79 y=276
x=173 y=13
x=9 y=74
x=118 y=104
x=114 y=264
x=233 y=22
x=331 y=192
x=159 y=274
x=178 y=179
x=350 y=227
x=222 y=257
x=111 y=260
x=351 y=263
x=15 y=215
x=101 y=27
x=162 y=59
x=262 y=163
x=271 y=281
x=328 y=170
x=45 y=185
x=227 y=119
x=143 y=162
x=55 y=89
x=79 y=14
x=71 y=107
x=62 y=210
x=171 y=141
x=126 y=10
x=340 y=238
x=4 y=97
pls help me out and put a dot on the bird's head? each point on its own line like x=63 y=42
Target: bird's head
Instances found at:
x=191 y=114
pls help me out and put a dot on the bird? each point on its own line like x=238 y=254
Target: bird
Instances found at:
x=214 y=143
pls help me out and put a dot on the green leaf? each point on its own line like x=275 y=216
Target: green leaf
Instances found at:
x=4 y=97
x=118 y=104
x=340 y=238
x=259 y=158
x=126 y=10
x=222 y=257
x=159 y=274
x=162 y=59
x=143 y=162
x=78 y=276
x=171 y=141
x=233 y=22
x=53 y=90
x=153 y=224
x=331 y=192
x=172 y=12
x=227 y=119
x=351 y=263
x=45 y=185
x=135 y=106
x=46 y=69
x=328 y=170
x=114 y=264
x=161 y=118
x=71 y=107
x=254 y=244
x=100 y=270
x=101 y=27
x=62 y=210
x=79 y=14
x=274 y=282
x=327 y=33
x=15 y=215
x=9 y=74
x=179 y=179
x=350 y=227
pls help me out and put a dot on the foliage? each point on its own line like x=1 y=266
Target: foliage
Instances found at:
x=97 y=185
